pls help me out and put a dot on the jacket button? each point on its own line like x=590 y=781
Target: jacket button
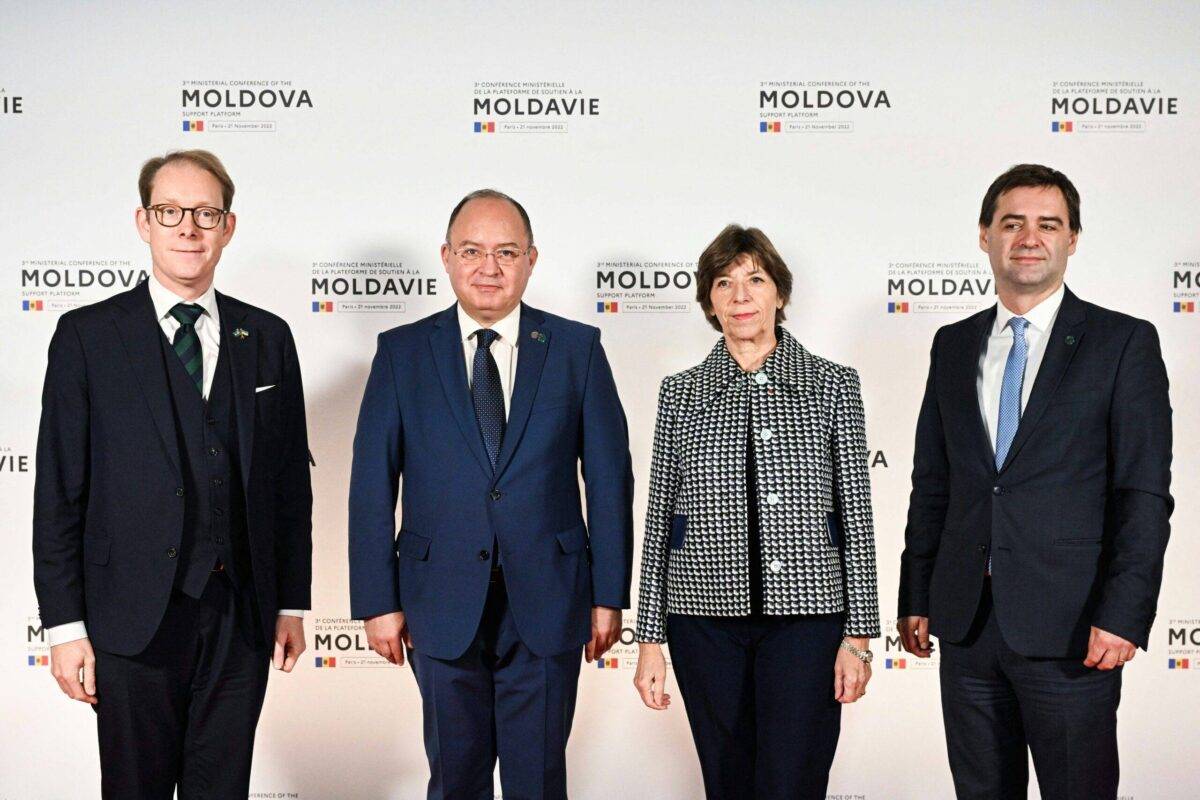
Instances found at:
x=772 y=499
x=217 y=481
x=484 y=555
x=172 y=552
x=765 y=434
x=982 y=548
x=212 y=451
x=494 y=494
x=219 y=540
x=776 y=565
x=997 y=490
x=760 y=378
x=179 y=492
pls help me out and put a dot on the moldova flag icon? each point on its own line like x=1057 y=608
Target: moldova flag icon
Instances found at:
x=895 y=663
x=1188 y=307
x=898 y=308
x=39 y=661
x=1178 y=663
x=193 y=125
x=608 y=663
x=604 y=307
x=32 y=305
x=769 y=127
x=322 y=306
x=485 y=127
x=1062 y=127
x=325 y=663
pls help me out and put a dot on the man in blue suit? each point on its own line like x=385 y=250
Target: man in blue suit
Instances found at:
x=493 y=583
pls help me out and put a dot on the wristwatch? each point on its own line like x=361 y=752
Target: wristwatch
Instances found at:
x=864 y=656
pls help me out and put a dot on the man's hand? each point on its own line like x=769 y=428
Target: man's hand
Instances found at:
x=289 y=641
x=387 y=634
x=67 y=660
x=606 y=629
x=651 y=676
x=1107 y=650
x=914 y=635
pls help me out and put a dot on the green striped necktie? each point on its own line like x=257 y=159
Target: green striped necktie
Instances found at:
x=187 y=343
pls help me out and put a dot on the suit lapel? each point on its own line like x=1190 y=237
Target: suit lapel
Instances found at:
x=446 y=343
x=1063 y=342
x=532 y=344
x=142 y=335
x=964 y=364
x=242 y=353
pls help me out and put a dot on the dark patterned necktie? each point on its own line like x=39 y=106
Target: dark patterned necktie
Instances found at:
x=187 y=343
x=487 y=393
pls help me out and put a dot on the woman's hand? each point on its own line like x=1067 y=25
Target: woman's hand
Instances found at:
x=651 y=676
x=850 y=673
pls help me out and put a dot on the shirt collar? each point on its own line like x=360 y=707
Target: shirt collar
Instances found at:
x=1040 y=317
x=509 y=328
x=164 y=299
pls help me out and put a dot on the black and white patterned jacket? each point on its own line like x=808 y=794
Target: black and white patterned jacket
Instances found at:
x=814 y=493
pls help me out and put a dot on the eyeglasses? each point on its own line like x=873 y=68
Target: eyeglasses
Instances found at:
x=170 y=215
x=505 y=256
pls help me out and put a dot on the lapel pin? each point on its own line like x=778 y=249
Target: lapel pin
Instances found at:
x=1070 y=340
x=538 y=335
x=240 y=333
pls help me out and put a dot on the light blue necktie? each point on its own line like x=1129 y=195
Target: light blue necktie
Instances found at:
x=1010 y=390
x=1010 y=397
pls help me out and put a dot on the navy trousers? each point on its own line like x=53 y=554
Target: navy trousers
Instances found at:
x=996 y=702
x=182 y=713
x=497 y=700
x=759 y=698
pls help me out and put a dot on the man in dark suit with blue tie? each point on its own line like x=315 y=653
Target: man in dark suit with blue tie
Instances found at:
x=1039 y=513
x=172 y=510
x=494 y=583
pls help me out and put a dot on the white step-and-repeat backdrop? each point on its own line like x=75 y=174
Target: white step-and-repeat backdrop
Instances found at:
x=860 y=137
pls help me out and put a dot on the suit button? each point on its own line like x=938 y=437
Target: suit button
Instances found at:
x=211 y=421
x=172 y=552
x=997 y=490
x=218 y=512
x=217 y=481
x=212 y=451
x=219 y=540
x=772 y=499
x=494 y=494
x=179 y=492
x=760 y=378
x=776 y=565
x=982 y=548
x=484 y=555
x=765 y=434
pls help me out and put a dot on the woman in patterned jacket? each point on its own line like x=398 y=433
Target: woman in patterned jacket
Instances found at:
x=758 y=563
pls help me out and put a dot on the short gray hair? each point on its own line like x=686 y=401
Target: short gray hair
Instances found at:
x=490 y=194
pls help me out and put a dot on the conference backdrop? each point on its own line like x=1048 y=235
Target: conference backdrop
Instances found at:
x=859 y=137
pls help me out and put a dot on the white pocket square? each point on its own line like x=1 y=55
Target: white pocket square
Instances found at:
x=258 y=389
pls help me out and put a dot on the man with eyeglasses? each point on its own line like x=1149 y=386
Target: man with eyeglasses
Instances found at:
x=172 y=507
x=488 y=409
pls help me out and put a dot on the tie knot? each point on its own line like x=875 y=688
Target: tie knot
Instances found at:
x=1018 y=324
x=484 y=337
x=186 y=313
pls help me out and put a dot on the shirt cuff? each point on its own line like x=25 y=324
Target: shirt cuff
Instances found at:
x=291 y=612
x=67 y=632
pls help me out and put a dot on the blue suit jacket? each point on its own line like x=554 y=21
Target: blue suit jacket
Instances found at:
x=417 y=421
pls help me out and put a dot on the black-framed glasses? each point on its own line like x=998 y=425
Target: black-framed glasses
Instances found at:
x=505 y=256
x=169 y=215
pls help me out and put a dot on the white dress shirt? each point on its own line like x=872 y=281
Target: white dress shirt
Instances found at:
x=990 y=374
x=504 y=348
x=208 y=328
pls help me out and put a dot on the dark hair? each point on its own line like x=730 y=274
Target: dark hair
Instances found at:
x=201 y=158
x=490 y=194
x=730 y=244
x=1031 y=175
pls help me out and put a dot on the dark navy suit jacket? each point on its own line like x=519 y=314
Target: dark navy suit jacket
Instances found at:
x=1077 y=516
x=108 y=514
x=417 y=427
